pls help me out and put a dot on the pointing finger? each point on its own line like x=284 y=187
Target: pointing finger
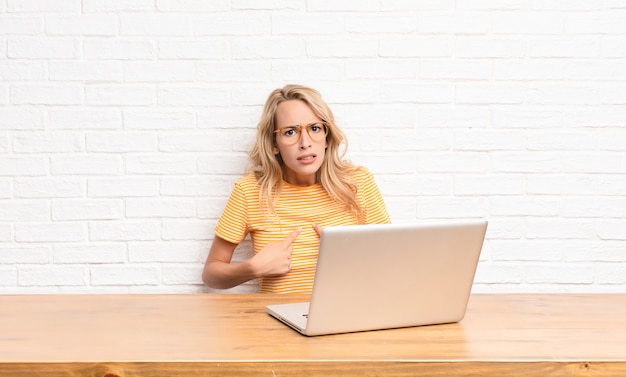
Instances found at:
x=292 y=236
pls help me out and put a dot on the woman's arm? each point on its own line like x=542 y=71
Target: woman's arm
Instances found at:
x=219 y=272
x=272 y=260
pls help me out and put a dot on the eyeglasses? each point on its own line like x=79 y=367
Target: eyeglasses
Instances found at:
x=290 y=135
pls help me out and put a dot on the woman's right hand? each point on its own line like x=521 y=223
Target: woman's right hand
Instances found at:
x=275 y=258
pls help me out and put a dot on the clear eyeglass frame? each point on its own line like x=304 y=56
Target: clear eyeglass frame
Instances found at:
x=290 y=135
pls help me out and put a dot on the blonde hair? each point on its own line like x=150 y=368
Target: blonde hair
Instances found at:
x=335 y=174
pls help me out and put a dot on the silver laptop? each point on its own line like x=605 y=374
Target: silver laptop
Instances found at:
x=373 y=277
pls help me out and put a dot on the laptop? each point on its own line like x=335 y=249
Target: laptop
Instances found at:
x=382 y=276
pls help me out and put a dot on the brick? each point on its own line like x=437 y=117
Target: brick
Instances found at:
x=560 y=47
x=488 y=140
x=41 y=6
x=455 y=69
x=50 y=232
x=6 y=233
x=22 y=71
x=456 y=22
x=86 y=209
x=452 y=208
x=595 y=23
x=380 y=69
x=52 y=275
x=528 y=118
x=22 y=25
x=87 y=25
x=86 y=165
x=548 y=23
x=490 y=47
x=195 y=186
x=417 y=93
x=381 y=24
x=265 y=48
x=208 y=141
x=612 y=229
x=158 y=120
x=124 y=275
x=160 y=208
x=553 y=228
x=411 y=5
x=609 y=163
x=519 y=162
x=181 y=274
x=479 y=185
x=123 y=231
x=6 y=188
x=120 y=95
x=69 y=71
x=8 y=276
x=450 y=162
x=521 y=69
x=21 y=119
x=613 y=47
x=309 y=71
x=25 y=254
x=120 y=142
x=416 y=47
x=156 y=24
x=538 y=206
x=90 y=6
x=222 y=164
x=123 y=187
x=119 y=48
x=169 y=71
x=38 y=142
x=310 y=24
x=266 y=5
x=106 y=252
x=192 y=6
x=185 y=230
x=84 y=118
x=552 y=273
x=350 y=48
x=171 y=252
x=492 y=4
x=43 y=48
x=24 y=210
x=232 y=24
x=24 y=166
x=203 y=49
x=179 y=164
x=47 y=95
x=506 y=94
x=192 y=96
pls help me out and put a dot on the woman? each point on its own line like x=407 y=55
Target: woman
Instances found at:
x=297 y=184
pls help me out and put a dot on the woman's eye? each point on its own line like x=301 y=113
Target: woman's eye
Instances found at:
x=289 y=132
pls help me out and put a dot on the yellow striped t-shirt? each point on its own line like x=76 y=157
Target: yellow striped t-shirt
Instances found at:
x=296 y=207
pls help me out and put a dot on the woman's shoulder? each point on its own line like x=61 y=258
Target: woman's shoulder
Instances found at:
x=247 y=182
x=362 y=174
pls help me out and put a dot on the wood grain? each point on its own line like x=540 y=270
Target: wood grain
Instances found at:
x=192 y=335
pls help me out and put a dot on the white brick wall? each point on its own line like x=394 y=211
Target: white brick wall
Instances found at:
x=123 y=125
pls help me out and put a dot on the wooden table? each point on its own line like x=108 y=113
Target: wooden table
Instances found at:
x=218 y=335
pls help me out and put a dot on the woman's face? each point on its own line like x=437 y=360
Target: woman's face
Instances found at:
x=303 y=158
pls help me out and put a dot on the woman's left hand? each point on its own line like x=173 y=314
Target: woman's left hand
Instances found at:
x=318 y=229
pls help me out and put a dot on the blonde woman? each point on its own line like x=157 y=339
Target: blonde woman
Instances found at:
x=297 y=184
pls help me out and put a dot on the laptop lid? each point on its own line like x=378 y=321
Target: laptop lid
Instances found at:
x=380 y=276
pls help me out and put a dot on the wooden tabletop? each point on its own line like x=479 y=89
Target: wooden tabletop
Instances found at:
x=212 y=334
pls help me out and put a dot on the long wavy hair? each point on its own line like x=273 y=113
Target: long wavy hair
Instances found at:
x=335 y=174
